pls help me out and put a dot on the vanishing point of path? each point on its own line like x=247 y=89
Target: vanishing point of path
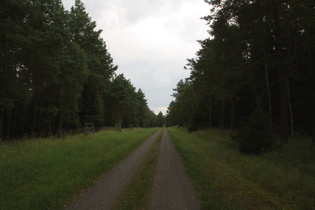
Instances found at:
x=171 y=188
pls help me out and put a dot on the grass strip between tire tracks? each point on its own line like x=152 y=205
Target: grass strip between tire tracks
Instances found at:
x=136 y=194
x=44 y=173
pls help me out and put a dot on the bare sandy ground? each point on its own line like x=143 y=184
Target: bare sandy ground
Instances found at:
x=107 y=189
x=171 y=189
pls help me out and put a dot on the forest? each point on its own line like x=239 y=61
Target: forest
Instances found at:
x=57 y=74
x=255 y=73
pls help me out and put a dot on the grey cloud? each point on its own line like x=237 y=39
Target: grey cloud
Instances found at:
x=150 y=40
x=136 y=10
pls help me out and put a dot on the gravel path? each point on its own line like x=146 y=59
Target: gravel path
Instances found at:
x=171 y=189
x=107 y=190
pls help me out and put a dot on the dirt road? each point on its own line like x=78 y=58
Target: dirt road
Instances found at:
x=106 y=191
x=171 y=188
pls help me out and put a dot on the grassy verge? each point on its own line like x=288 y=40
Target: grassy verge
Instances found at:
x=136 y=195
x=227 y=179
x=44 y=173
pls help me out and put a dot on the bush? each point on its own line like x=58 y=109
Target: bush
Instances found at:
x=192 y=127
x=256 y=135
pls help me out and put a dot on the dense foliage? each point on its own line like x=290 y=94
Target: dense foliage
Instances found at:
x=259 y=56
x=256 y=135
x=56 y=73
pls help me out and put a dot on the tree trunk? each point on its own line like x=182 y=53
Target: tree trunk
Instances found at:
x=210 y=111
x=9 y=124
x=60 y=124
x=13 y=133
x=232 y=113
x=313 y=110
x=283 y=75
x=311 y=64
x=291 y=112
x=268 y=86
x=191 y=115
x=34 y=116
x=222 y=115
x=1 y=123
x=23 y=118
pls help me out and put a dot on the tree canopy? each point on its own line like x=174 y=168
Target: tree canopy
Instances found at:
x=259 y=56
x=56 y=73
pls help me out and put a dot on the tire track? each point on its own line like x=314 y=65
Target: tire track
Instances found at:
x=171 y=187
x=105 y=192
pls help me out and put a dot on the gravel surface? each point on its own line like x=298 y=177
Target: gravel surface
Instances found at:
x=108 y=188
x=171 y=189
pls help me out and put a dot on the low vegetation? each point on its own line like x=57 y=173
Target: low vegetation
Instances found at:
x=228 y=179
x=44 y=173
x=255 y=136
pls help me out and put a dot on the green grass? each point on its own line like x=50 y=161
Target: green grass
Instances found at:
x=47 y=173
x=227 y=179
x=136 y=195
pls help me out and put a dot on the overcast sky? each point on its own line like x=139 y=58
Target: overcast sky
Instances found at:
x=150 y=40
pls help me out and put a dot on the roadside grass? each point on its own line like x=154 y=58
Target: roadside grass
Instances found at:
x=136 y=195
x=226 y=179
x=47 y=173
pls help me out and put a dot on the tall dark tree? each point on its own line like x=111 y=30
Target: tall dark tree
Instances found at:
x=56 y=72
x=282 y=69
x=99 y=63
x=142 y=118
x=12 y=26
x=160 y=119
x=257 y=59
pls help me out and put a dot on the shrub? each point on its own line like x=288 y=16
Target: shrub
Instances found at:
x=256 y=135
x=192 y=127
